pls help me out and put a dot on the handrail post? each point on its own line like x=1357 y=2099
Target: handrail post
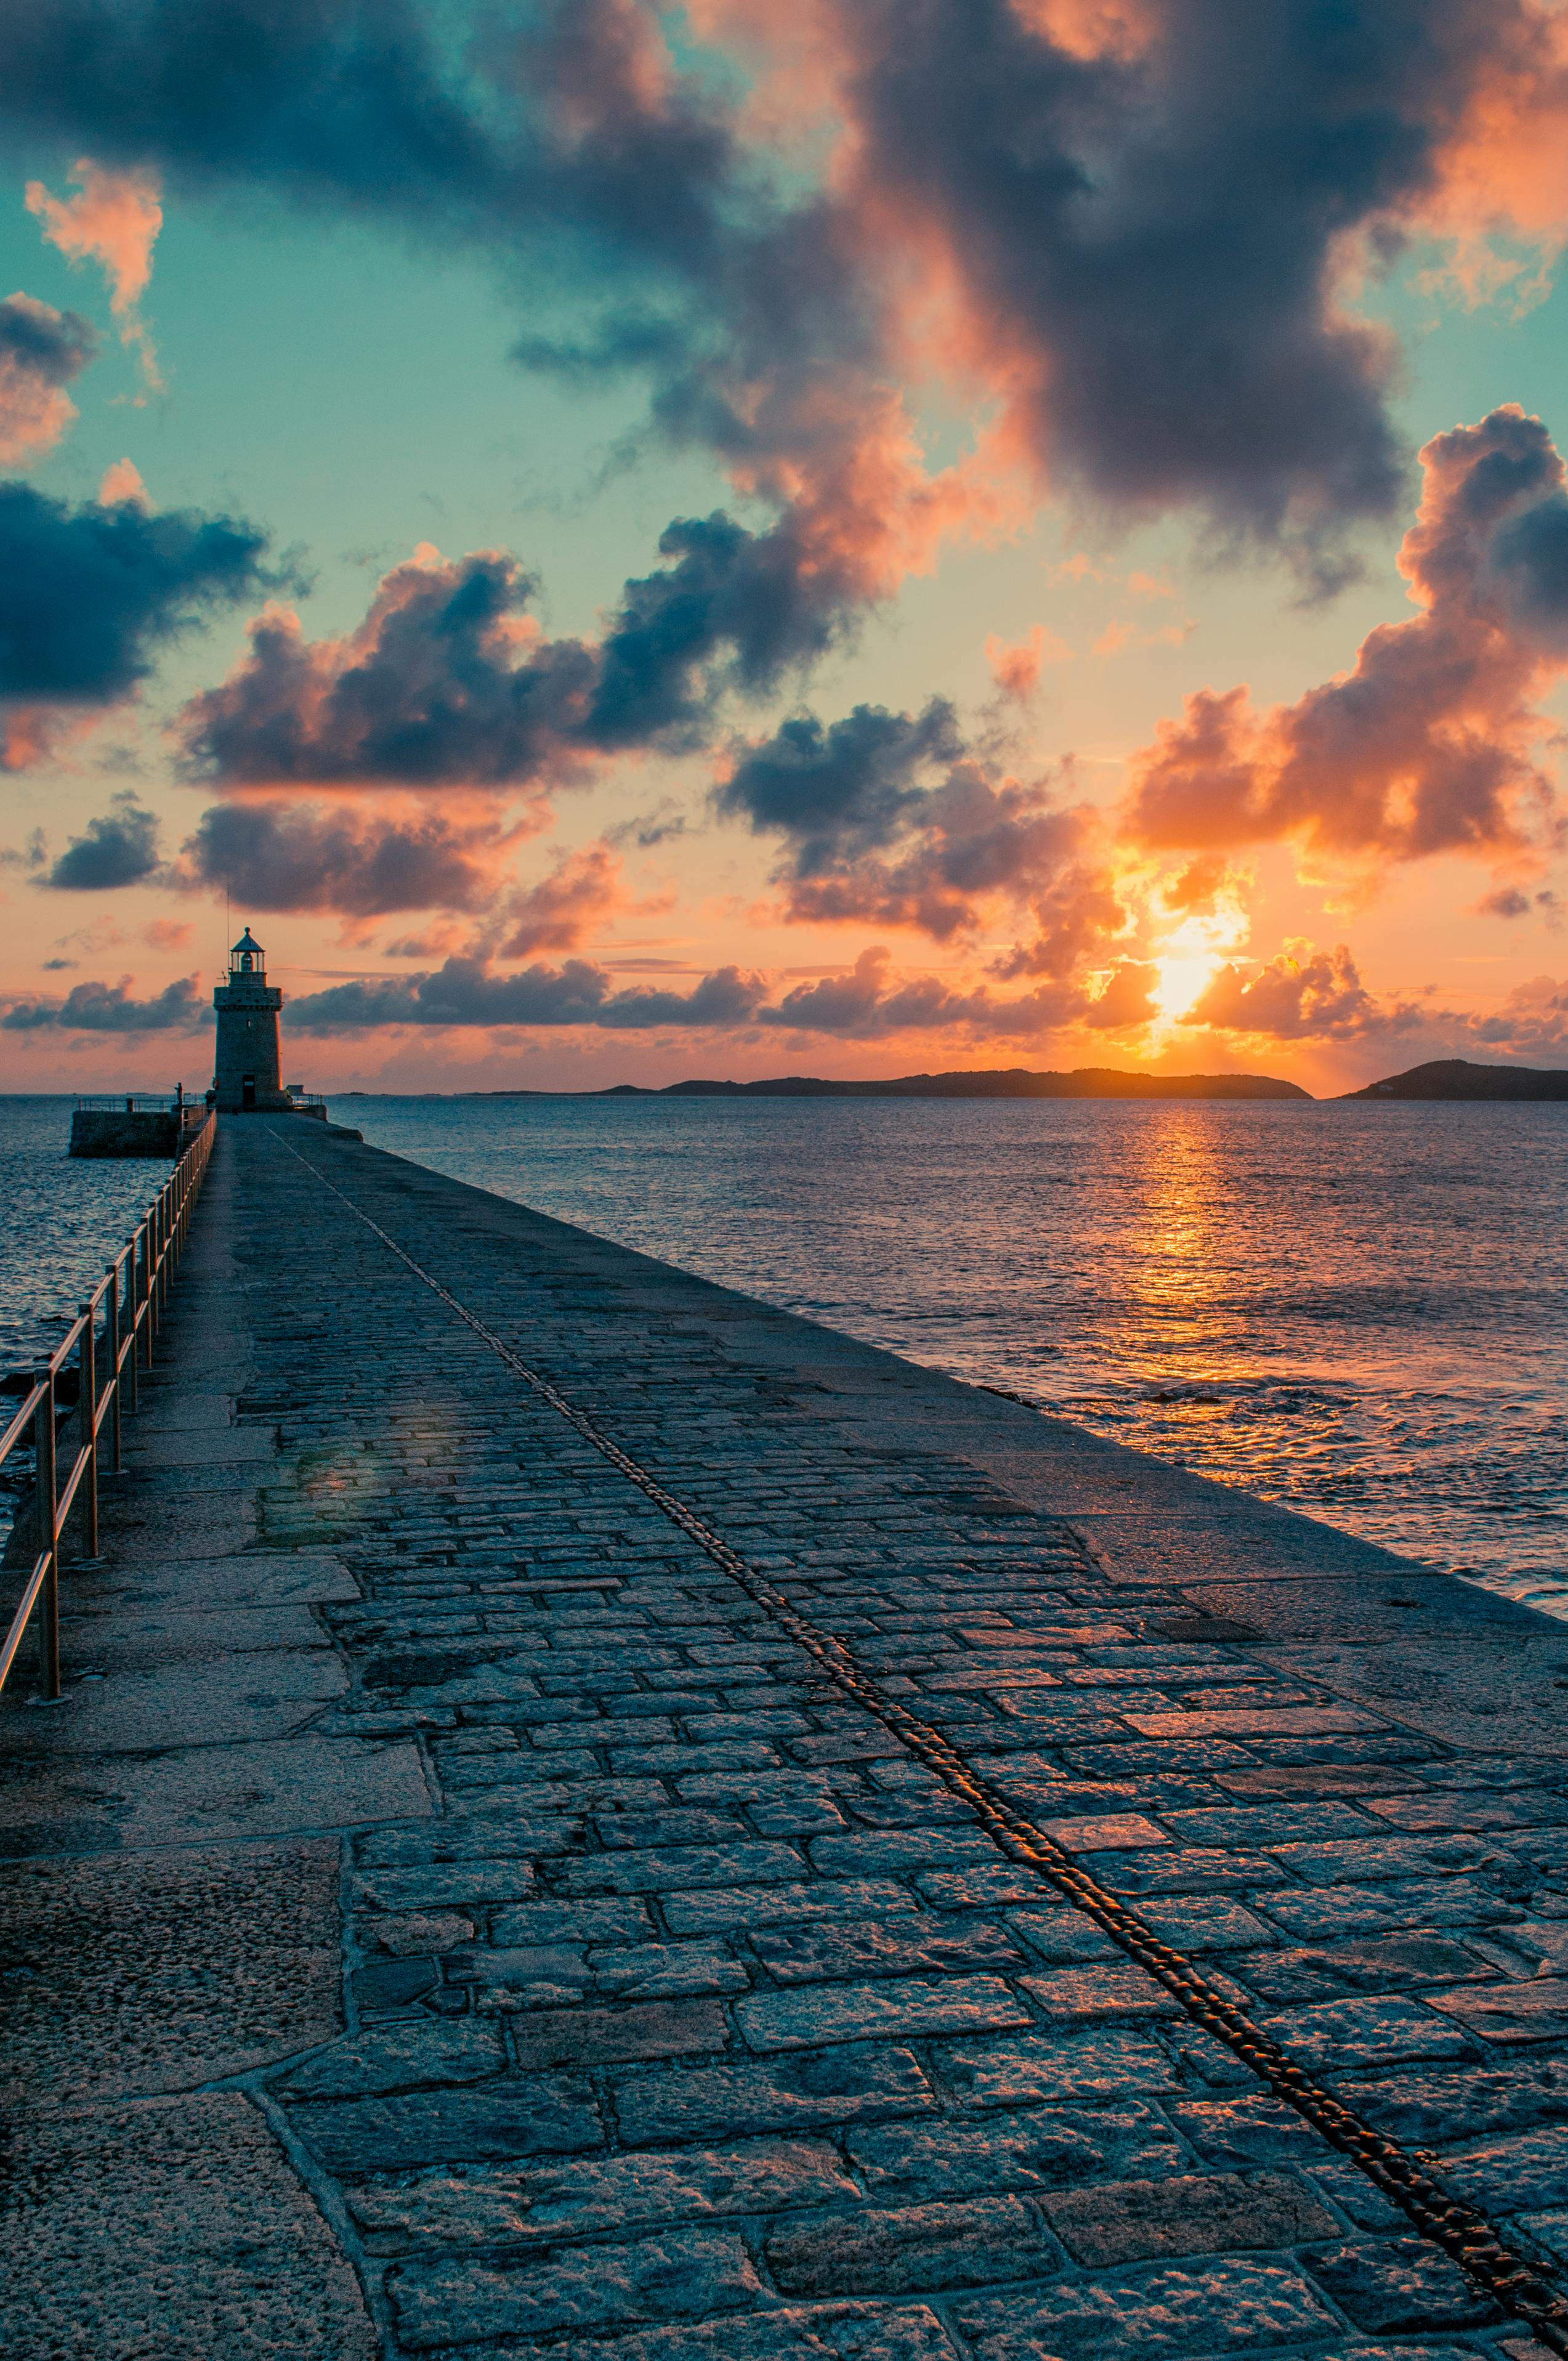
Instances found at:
x=49 y=1527
x=117 y=1371
x=144 y=1291
x=87 y=1411
x=133 y=1285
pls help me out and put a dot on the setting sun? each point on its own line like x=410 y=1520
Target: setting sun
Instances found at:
x=1190 y=959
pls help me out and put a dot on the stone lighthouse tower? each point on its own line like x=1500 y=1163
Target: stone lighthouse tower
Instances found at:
x=247 y=1007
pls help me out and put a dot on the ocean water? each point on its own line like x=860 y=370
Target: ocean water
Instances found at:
x=1361 y=1311
x=61 y=1218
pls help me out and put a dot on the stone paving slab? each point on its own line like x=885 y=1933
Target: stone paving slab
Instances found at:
x=684 y=2013
x=174 y=2228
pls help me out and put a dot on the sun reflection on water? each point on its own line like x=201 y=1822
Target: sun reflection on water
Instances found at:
x=1361 y=1311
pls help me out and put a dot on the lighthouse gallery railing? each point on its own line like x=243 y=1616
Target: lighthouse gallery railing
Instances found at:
x=112 y=1338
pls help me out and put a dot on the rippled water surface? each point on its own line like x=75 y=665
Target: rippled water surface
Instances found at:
x=1360 y=1310
x=61 y=1218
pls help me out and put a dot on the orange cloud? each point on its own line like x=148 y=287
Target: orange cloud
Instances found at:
x=1499 y=197
x=1426 y=744
x=1302 y=993
x=581 y=893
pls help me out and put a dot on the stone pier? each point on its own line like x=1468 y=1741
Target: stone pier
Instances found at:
x=448 y=1916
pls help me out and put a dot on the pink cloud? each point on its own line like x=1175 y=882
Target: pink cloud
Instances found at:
x=167 y=934
x=1017 y=669
x=114 y=220
x=122 y=483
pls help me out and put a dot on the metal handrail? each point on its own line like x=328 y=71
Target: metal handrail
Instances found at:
x=133 y=1298
x=137 y=1103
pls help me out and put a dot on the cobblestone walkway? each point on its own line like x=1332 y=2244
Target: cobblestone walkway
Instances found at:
x=687 y=2014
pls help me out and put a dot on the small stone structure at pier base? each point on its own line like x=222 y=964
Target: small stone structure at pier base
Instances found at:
x=125 y=1131
x=455 y=1917
x=132 y=1125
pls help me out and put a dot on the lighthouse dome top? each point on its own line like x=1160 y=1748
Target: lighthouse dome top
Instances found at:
x=248 y=958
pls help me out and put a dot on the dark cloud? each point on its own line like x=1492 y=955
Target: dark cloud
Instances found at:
x=1426 y=744
x=844 y=789
x=345 y=102
x=89 y=595
x=660 y=825
x=1510 y=901
x=51 y=346
x=746 y=599
x=1125 y=230
x=437 y=685
x=449 y=682
x=890 y=818
x=870 y=1002
x=120 y=848
x=464 y=991
x=550 y=119
x=109 y=1008
x=41 y=350
x=1147 y=239
x=277 y=856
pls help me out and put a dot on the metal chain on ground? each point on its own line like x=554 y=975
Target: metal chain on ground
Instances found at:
x=1462 y=2233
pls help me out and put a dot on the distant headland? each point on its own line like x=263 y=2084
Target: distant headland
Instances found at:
x=979 y=1083
x=1454 y=1078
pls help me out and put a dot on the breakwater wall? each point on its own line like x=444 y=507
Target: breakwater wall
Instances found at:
x=109 y=1131
x=533 y=1697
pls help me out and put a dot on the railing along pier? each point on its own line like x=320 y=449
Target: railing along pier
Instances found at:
x=112 y=1339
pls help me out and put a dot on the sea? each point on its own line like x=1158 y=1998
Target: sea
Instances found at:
x=1360 y=1310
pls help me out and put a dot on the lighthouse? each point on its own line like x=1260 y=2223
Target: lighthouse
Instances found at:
x=247 y=1005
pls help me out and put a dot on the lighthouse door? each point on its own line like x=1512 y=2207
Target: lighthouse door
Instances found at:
x=247 y=1092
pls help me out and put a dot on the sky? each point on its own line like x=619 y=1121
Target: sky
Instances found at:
x=633 y=542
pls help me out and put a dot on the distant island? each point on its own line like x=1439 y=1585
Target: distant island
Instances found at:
x=1454 y=1078
x=981 y=1082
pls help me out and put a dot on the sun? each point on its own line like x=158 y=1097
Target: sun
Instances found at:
x=1189 y=959
x=1181 y=981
